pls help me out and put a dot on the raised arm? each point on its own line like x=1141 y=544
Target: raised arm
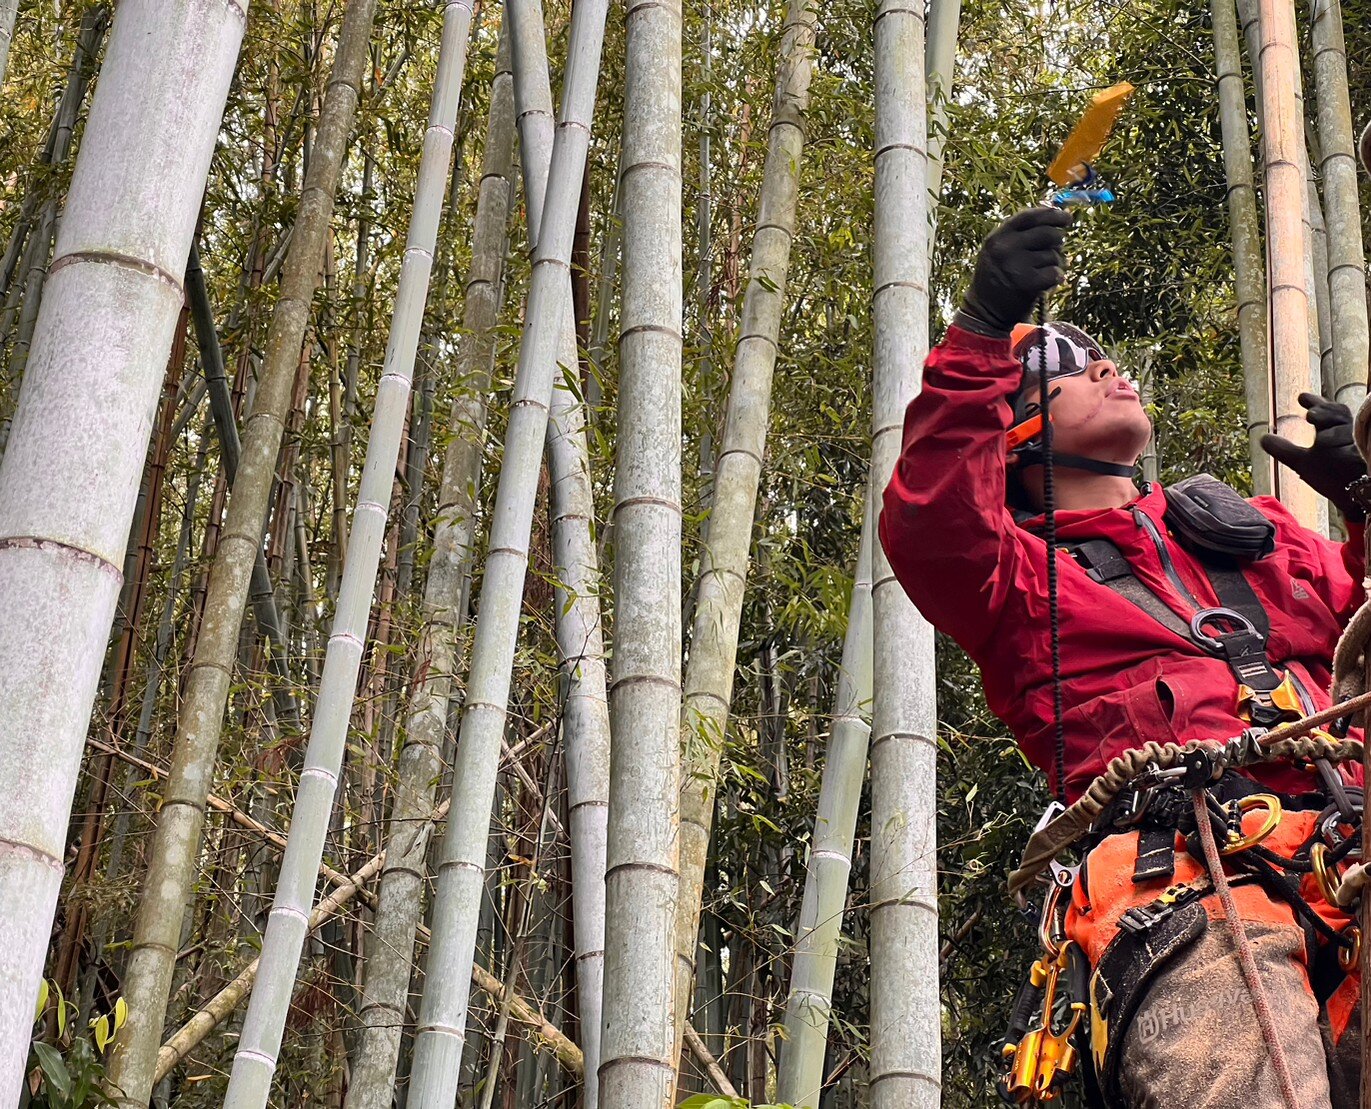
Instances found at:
x=945 y=528
x=1330 y=465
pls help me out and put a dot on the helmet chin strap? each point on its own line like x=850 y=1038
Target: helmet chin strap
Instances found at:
x=1077 y=462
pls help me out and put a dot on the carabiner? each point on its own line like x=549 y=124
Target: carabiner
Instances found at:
x=1235 y=843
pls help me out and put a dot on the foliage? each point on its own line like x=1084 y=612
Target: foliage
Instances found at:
x=69 y=1073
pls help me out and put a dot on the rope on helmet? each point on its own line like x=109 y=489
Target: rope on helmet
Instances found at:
x=1050 y=536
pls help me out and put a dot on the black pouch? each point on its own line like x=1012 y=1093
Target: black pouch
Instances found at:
x=1209 y=518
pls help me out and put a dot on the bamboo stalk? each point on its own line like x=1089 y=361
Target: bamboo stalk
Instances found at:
x=1286 y=243
x=1244 y=226
x=9 y=9
x=461 y=870
x=220 y=1007
x=711 y=1064
x=254 y=1063
x=1338 y=171
x=71 y=471
x=579 y=623
x=737 y=474
x=391 y=957
x=905 y=1013
x=172 y=861
x=638 y=1045
x=261 y=593
x=830 y=854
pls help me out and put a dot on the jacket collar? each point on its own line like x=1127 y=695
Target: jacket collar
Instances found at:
x=1105 y=523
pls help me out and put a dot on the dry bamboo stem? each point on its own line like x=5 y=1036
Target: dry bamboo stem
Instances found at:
x=218 y=804
x=1286 y=244
x=71 y=472
x=711 y=1064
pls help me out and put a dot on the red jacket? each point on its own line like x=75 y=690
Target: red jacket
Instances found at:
x=981 y=578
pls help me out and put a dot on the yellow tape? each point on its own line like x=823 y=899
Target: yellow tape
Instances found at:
x=1084 y=143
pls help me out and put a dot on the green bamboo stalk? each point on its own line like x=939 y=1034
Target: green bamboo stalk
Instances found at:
x=70 y=474
x=905 y=1013
x=579 y=623
x=1244 y=224
x=1338 y=170
x=172 y=861
x=737 y=473
x=638 y=1039
x=254 y=1063
x=461 y=870
x=830 y=853
x=391 y=957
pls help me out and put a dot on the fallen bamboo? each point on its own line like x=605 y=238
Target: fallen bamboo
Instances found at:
x=237 y=815
x=711 y=1064
x=221 y=1006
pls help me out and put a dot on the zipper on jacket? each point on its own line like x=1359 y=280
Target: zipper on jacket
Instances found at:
x=1144 y=521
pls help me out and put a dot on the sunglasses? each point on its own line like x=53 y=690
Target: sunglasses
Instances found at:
x=1068 y=351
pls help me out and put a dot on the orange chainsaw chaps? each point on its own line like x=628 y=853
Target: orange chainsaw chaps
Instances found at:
x=1108 y=873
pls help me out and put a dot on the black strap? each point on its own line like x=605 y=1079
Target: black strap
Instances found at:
x=1104 y=563
x=1156 y=854
x=1235 y=591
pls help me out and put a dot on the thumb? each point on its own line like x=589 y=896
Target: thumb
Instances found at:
x=1284 y=451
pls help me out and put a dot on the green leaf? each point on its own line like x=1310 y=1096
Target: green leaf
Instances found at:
x=121 y=1013
x=54 y=1068
x=42 y=999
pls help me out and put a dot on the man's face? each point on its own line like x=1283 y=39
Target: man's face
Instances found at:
x=1098 y=414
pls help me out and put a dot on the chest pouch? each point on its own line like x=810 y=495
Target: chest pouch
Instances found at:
x=1208 y=518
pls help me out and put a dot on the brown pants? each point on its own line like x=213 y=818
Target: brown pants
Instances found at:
x=1194 y=1042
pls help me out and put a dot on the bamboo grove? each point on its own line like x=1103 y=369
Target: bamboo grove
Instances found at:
x=447 y=658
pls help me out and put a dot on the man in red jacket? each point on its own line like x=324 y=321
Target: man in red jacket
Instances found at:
x=1137 y=662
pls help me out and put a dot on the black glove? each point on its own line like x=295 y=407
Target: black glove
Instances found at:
x=1333 y=462
x=1021 y=260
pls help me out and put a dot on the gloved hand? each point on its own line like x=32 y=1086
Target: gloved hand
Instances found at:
x=1019 y=261
x=1333 y=462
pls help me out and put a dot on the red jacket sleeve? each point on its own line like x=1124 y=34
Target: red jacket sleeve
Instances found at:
x=1335 y=569
x=950 y=539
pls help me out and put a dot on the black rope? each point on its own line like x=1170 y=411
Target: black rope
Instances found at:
x=1050 y=536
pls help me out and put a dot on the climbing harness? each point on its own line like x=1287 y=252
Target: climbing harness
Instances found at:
x=1159 y=793
x=1236 y=629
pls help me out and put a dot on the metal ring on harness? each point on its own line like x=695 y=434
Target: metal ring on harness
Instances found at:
x=1268 y=801
x=1207 y=616
x=1327 y=875
x=1350 y=954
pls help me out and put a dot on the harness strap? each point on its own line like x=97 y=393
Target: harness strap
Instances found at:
x=1103 y=562
x=1236 y=631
